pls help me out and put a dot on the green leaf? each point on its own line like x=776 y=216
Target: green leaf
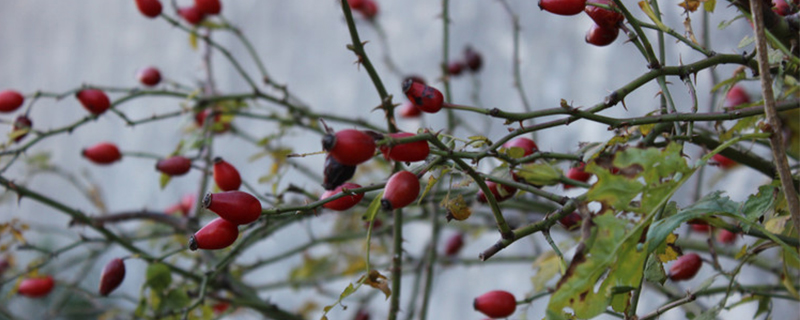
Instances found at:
x=374 y=207
x=164 y=180
x=540 y=174
x=158 y=276
x=711 y=204
x=654 y=271
x=547 y=266
x=709 y=5
x=614 y=190
x=760 y=203
x=175 y=299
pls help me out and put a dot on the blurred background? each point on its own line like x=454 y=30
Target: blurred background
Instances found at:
x=57 y=46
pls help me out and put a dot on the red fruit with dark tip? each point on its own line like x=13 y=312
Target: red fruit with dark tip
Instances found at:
x=102 y=153
x=454 y=244
x=723 y=161
x=21 y=123
x=36 y=287
x=736 y=96
x=94 y=100
x=349 y=147
x=726 y=237
x=192 y=15
x=402 y=189
x=112 y=276
x=571 y=221
x=235 y=206
x=455 y=68
x=149 y=76
x=406 y=152
x=577 y=173
x=174 y=166
x=10 y=100
x=226 y=176
x=208 y=6
x=685 y=267
x=527 y=145
x=601 y=36
x=563 y=7
x=217 y=234
x=409 y=110
x=473 y=59
x=496 y=304
x=149 y=8
x=506 y=193
x=604 y=17
x=427 y=99
x=781 y=7
x=345 y=202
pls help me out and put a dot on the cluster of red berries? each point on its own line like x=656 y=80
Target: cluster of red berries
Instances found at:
x=40 y=286
x=471 y=61
x=607 y=22
x=233 y=207
x=10 y=101
x=349 y=148
x=192 y=14
x=723 y=236
x=505 y=192
x=367 y=8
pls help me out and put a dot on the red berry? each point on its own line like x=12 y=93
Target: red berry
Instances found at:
x=726 y=237
x=369 y=9
x=36 y=287
x=723 y=161
x=149 y=8
x=22 y=122
x=208 y=6
x=102 y=153
x=601 y=36
x=149 y=76
x=735 y=96
x=496 y=304
x=406 y=152
x=355 y=4
x=361 y=315
x=401 y=190
x=235 y=206
x=454 y=244
x=220 y=307
x=112 y=276
x=409 y=110
x=455 y=68
x=217 y=234
x=192 y=15
x=349 y=147
x=563 y=7
x=473 y=59
x=781 y=7
x=174 y=166
x=345 y=202
x=604 y=17
x=426 y=98
x=571 y=221
x=685 y=267
x=336 y=173
x=94 y=100
x=226 y=176
x=10 y=100
x=527 y=145
x=699 y=226
x=507 y=193
x=577 y=173
x=184 y=207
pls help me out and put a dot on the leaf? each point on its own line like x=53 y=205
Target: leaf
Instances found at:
x=540 y=174
x=175 y=299
x=374 y=207
x=757 y=205
x=548 y=265
x=669 y=251
x=645 y=6
x=193 y=40
x=690 y=5
x=709 y=5
x=164 y=180
x=654 y=271
x=432 y=180
x=614 y=190
x=311 y=267
x=380 y=282
x=515 y=152
x=457 y=208
x=610 y=253
x=158 y=276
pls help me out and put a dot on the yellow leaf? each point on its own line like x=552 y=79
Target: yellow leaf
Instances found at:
x=777 y=224
x=378 y=281
x=548 y=265
x=741 y=253
x=709 y=5
x=669 y=253
x=645 y=6
x=193 y=40
x=690 y=5
x=457 y=208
